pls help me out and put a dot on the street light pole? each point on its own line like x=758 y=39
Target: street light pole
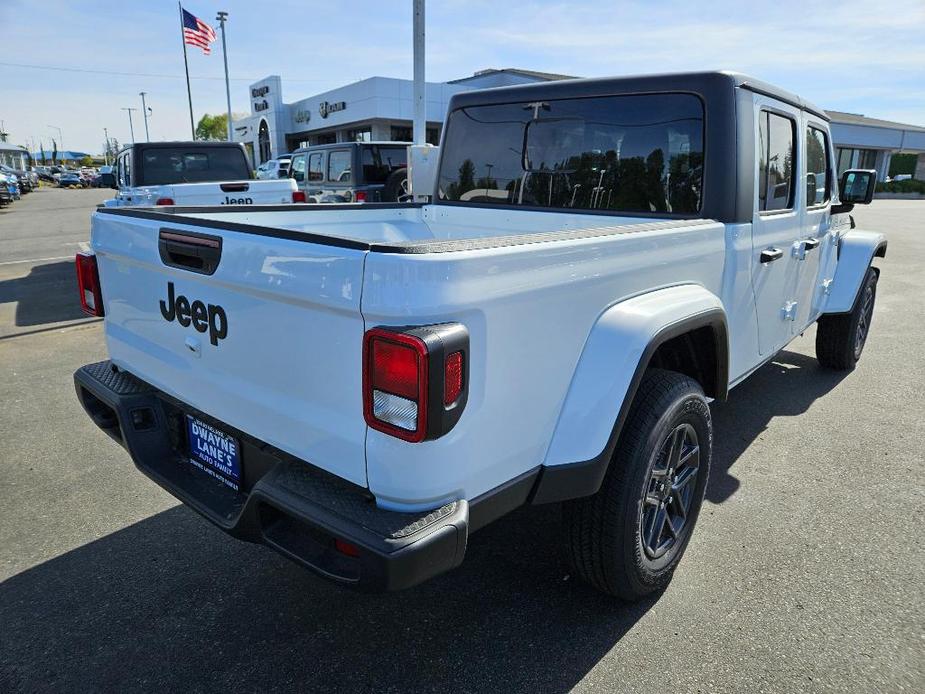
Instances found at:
x=144 y=110
x=221 y=19
x=106 y=151
x=419 y=132
x=60 y=135
x=131 y=128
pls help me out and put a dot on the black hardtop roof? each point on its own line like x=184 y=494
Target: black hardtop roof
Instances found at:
x=342 y=145
x=703 y=83
x=183 y=143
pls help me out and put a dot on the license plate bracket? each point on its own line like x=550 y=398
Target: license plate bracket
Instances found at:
x=214 y=452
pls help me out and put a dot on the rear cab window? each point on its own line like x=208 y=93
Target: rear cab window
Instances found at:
x=191 y=164
x=776 y=161
x=636 y=153
x=339 y=166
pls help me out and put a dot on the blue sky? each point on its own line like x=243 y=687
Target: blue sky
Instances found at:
x=861 y=57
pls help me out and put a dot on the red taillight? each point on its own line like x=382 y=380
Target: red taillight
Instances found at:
x=360 y=196
x=299 y=196
x=415 y=379
x=346 y=548
x=395 y=384
x=88 y=282
x=452 y=378
x=164 y=201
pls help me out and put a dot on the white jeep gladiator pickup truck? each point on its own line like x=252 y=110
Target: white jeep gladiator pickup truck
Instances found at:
x=194 y=174
x=360 y=387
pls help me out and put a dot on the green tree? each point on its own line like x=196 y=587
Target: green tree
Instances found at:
x=212 y=127
x=87 y=161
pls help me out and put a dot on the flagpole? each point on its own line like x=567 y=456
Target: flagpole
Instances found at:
x=189 y=93
x=222 y=17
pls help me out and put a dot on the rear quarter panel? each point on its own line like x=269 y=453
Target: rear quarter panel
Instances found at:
x=529 y=309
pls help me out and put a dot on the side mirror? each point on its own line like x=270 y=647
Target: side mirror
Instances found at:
x=857 y=186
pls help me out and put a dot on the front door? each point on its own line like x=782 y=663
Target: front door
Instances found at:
x=776 y=223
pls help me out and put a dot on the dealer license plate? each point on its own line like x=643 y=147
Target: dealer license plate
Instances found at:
x=214 y=452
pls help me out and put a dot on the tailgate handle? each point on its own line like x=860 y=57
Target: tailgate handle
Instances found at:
x=235 y=187
x=190 y=251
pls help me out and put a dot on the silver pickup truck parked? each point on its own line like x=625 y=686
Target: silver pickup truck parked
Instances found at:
x=361 y=387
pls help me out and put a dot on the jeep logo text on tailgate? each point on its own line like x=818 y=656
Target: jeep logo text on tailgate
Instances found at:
x=237 y=201
x=202 y=317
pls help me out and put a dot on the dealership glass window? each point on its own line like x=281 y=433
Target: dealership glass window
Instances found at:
x=818 y=174
x=339 y=166
x=359 y=135
x=639 y=153
x=433 y=136
x=776 y=155
x=326 y=139
x=402 y=133
x=316 y=166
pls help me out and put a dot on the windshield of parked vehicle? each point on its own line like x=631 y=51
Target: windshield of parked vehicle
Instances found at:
x=166 y=165
x=641 y=153
x=378 y=161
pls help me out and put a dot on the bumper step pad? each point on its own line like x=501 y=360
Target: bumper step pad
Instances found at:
x=300 y=510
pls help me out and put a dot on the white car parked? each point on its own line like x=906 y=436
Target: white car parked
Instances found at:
x=274 y=168
x=360 y=387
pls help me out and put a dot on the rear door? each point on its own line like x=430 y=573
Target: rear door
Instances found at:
x=817 y=246
x=776 y=222
x=270 y=342
x=339 y=180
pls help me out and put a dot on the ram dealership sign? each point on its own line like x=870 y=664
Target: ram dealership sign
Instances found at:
x=327 y=107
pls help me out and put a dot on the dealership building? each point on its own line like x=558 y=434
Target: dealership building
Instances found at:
x=381 y=108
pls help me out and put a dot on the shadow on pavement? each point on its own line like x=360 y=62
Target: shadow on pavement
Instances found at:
x=785 y=387
x=171 y=603
x=48 y=294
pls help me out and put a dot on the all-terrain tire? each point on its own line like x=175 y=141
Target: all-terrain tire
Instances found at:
x=840 y=339
x=607 y=535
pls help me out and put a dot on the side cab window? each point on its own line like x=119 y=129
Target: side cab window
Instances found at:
x=776 y=161
x=817 y=168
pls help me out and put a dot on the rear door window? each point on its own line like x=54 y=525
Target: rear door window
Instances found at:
x=339 y=166
x=776 y=159
x=316 y=166
x=818 y=173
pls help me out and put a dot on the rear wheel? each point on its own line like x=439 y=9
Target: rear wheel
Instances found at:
x=840 y=339
x=627 y=539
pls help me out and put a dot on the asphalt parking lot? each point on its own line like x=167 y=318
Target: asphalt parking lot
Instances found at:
x=806 y=571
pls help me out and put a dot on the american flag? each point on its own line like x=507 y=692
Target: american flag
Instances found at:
x=197 y=33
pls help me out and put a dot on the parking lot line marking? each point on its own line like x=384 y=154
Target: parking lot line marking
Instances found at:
x=59 y=326
x=37 y=260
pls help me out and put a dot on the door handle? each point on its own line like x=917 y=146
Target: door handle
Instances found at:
x=769 y=255
x=810 y=244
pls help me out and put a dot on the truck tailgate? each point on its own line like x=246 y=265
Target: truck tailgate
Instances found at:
x=286 y=365
x=272 y=192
